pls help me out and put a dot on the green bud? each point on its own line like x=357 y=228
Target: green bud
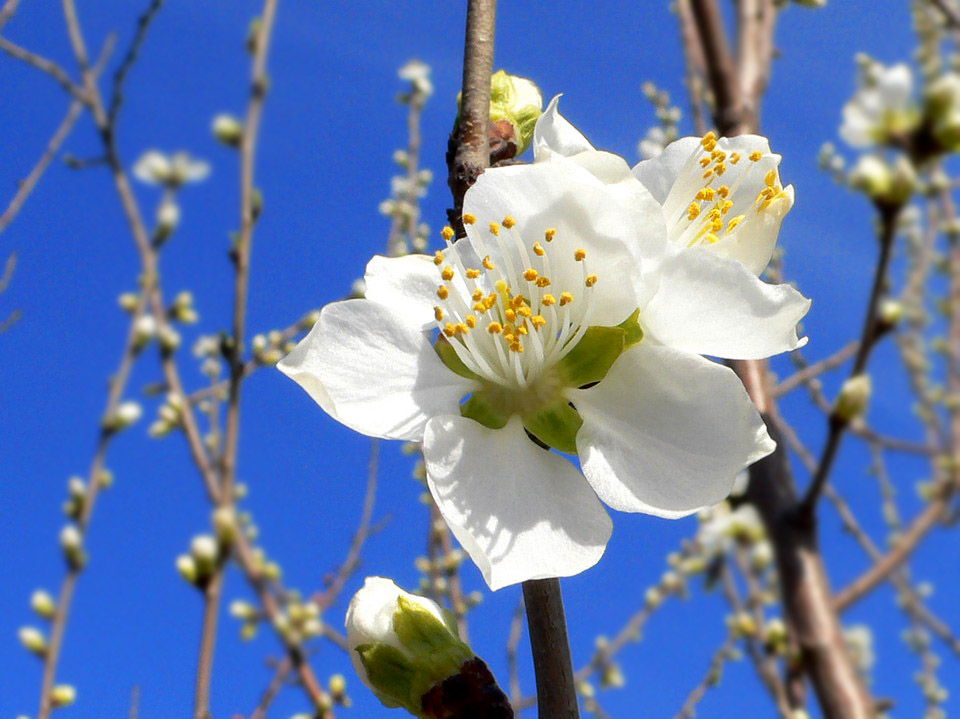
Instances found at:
x=62 y=695
x=33 y=640
x=43 y=604
x=854 y=398
x=228 y=130
x=515 y=106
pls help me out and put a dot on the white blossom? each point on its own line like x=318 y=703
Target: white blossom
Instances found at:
x=156 y=168
x=881 y=107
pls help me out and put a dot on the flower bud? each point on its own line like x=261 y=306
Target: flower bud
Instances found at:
x=517 y=102
x=33 y=640
x=225 y=524
x=881 y=183
x=62 y=695
x=227 y=129
x=405 y=648
x=187 y=568
x=71 y=541
x=169 y=339
x=204 y=551
x=854 y=398
x=240 y=609
x=144 y=330
x=128 y=301
x=942 y=108
x=168 y=218
x=123 y=416
x=43 y=604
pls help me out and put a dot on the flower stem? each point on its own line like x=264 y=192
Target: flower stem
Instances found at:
x=556 y=693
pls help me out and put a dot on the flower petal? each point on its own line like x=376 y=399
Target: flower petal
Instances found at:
x=666 y=432
x=374 y=370
x=659 y=173
x=554 y=134
x=406 y=284
x=520 y=512
x=714 y=306
x=566 y=197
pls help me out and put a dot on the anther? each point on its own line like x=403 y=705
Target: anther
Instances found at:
x=771 y=178
x=438 y=258
x=495 y=228
x=543 y=282
x=548 y=300
x=494 y=328
x=709 y=138
x=442 y=292
x=591 y=280
x=447 y=274
x=524 y=311
x=530 y=274
x=565 y=298
x=734 y=158
x=487 y=262
x=550 y=234
x=538 y=321
x=704 y=161
x=580 y=254
x=756 y=155
x=469 y=219
x=708 y=174
x=461 y=328
x=509 y=222
x=447 y=233
x=720 y=168
x=723 y=191
x=693 y=210
x=438 y=313
x=471 y=321
x=538 y=249
x=449 y=330
x=734 y=221
x=477 y=295
x=472 y=273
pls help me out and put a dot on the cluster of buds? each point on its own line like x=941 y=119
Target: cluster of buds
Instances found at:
x=169 y=416
x=76 y=498
x=407 y=650
x=665 y=131
x=299 y=620
x=170 y=171
x=199 y=564
x=885 y=184
x=209 y=348
x=33 y=639
x=272 y=347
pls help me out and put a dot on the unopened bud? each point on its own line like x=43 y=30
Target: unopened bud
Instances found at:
x=169 y=339
x=515 y=106
x=43 y=604
x=168 y=218
x=33 y=640
x=225 y=524
x=854 y=398
x=187 y=568
x=128 y=301
x=124 y=416
x=62 y=695
x=240 y=609
x=204 y=550
x=144 y=330
x=228 y=130
x=71 y=541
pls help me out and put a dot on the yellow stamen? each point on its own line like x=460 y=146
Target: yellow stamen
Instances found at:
x=704 y=161
x=479 y=307
x=438 y=313
x=524 y=311
x=565 y=298
x=734 y=221
x=495 y=228
x=509 y=222
x=725 y=207
x=708 y=174
x=438 y=258
x=449 y=330
x=543 y=282
x=469 y=219
x=538 y=321
x=462 y=328
x=538 y=249
x=516 y=347
x=723 y=191
x=720 y=168
x=523 y=330
x=708 y=138
x=472 y=273
x=447 y=233
x=530 y=274
x=548 y=300
x=477 y=295
x=710 y=238
x=580 y=254
x=494 y=328
x=756 y=155
x=471 y=321
x=591 y=280
x=442 y=292
x=510 y=315
x=771 y=178
x=550 y=234
x=487 y=262
x=693 y=210
x=734 y=158
x=447 y=274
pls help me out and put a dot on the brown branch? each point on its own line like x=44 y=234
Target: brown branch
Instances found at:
x=53 y=146
x=868 y=339
x=468 y=152
x=816 y=369
x=44 y=65
x=513 y=641
x=274 y=688
x=7 y=11
x=950 y=12
x=241 y=254
x=556 y=692
x=710 y=679
x=211 y=613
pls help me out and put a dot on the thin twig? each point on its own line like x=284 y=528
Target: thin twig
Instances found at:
x=816 y=369
x=208 y=642
x=710 y=679
x=130 y=58
x=272 y=690
x=46 y=66
x=513 y=641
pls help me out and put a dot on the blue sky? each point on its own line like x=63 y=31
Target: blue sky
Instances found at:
x=324 y=165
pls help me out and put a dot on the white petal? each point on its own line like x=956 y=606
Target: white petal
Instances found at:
x=896 y=87
x=666 y=432
x=374 y=370
x=520 y=512
x=554 y=134
x=659 y=174
x=406 y=284
x=562 y=195
x=714 y=306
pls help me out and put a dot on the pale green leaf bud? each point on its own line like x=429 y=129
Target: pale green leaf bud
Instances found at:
x=33 y=640
x=168 y=218
x=854 y=398
x=71 y=541
x=891 y=312
x=204 y=550
x=63 y=695
x=401 y=644
x=187 y=568
x=517 y=101
x=224 y=521
x=240 y=609
x=128 y=301
x=43 y=604
x=227 y=129
x=144 y=330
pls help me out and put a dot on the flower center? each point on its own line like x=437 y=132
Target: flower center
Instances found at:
x=520 y=310
x=713 y=210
